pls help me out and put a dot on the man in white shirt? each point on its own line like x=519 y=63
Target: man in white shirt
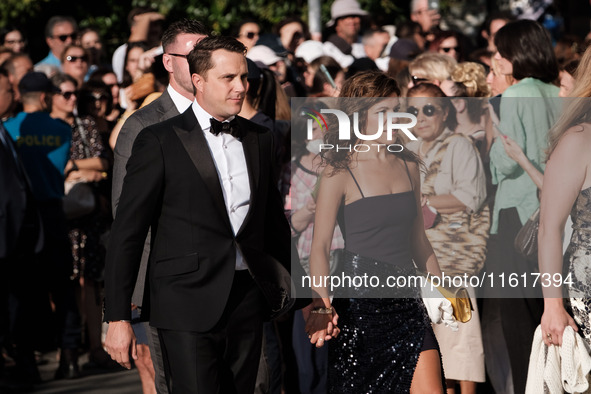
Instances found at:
x=178 y=40
x=220 y=243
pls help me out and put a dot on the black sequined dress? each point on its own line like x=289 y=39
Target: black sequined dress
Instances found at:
x=577 y=264
x=381 y=338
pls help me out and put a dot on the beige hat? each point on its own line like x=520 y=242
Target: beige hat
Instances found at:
x=341 y=8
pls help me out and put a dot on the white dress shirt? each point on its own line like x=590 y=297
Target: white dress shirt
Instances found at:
x=180 y=102
x=230 y=163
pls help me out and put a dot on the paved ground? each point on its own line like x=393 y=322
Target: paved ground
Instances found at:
x=91 y=381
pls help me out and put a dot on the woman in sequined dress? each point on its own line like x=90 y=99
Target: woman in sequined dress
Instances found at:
x=380 y=345
x=567 y=189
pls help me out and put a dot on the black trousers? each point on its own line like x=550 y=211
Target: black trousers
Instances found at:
x=225 y=359
x=522 y=313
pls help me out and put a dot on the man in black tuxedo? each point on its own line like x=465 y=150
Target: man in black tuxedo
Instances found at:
x=220 y=242
x=21 y=236
x=177 y=41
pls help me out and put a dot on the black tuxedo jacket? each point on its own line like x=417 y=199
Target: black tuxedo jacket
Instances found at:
x=18 y=213
x=172 y=185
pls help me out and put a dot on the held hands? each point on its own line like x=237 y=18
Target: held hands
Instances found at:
x=120 y=337
x=554 y=321
x=320 y=327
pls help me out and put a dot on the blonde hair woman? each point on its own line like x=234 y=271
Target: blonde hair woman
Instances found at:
x=431 y=67
x=567 y=189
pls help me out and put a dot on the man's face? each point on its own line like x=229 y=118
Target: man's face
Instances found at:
x=348 y=27
x=424 y=16
x=177 y=66
x=62 y=36
x=22 y=65
x=222 y=89
x=6 y=96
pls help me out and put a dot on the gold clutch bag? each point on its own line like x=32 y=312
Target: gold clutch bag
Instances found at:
x=460 y=302
x=459 y=298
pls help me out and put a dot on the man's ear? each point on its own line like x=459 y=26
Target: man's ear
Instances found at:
x=167 y=62
x=198 y=81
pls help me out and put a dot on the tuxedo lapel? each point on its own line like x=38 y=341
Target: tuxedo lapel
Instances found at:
x=250 y=144
x=191 y=136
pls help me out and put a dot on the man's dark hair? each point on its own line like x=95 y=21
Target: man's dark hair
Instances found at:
x=54 y=20
x=184 y=26
x=200 y=57
x=515 y=41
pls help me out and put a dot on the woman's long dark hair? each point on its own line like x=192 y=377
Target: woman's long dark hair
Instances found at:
x=374 y=86
x=527 y=45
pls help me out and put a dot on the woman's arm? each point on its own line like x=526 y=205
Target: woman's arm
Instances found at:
x=462 y=169
x=422 y=252
x=515 y=152
x=564 y=178
x=330 y=193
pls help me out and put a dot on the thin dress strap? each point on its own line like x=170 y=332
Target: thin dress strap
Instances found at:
x=408 y=173
x=358 y=187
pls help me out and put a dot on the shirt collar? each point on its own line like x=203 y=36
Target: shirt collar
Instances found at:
x=180 y=102
x=203 y=117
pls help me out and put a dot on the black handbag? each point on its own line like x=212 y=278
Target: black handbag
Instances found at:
x=526 y=241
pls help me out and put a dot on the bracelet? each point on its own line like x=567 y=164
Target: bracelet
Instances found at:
x=322 y=310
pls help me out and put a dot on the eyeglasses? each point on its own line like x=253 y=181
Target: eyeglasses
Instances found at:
x=416 y=80
x=429 y=110
x=64 y=37
x=250 y=35
x=178 y=54
x=447 y=49
x=68 y=95
x=73 y=59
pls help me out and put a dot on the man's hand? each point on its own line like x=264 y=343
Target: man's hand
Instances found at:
x=120 y=337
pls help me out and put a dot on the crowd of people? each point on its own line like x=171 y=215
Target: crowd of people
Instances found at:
x=85 y=154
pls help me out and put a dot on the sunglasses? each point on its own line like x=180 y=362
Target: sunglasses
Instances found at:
x=68 y=95
x=416 y=80
x=178 y=55
x=73 y=59
x=250 y=35
x=429 y=110
x=64 y=37
x=112 y=85
x=447 y=49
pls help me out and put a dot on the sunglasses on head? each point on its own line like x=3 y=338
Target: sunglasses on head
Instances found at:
x=429 y=110
x=447 y=49
x=416 y=80
x=250 y=35
x=64 y=37
x=68 y=95
x=73 y=59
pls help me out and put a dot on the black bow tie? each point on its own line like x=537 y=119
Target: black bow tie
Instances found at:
x=230 y=127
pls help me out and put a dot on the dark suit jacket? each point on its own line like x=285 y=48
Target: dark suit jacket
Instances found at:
x=17 y=208
x=172 y=186
x=161 y=109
